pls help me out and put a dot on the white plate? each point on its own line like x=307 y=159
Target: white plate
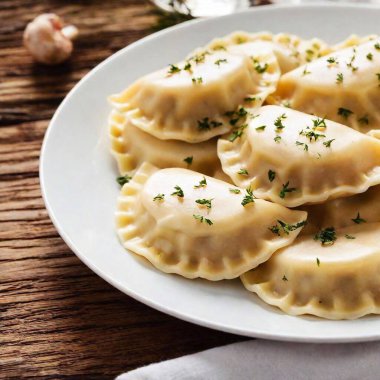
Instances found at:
x=78 y=178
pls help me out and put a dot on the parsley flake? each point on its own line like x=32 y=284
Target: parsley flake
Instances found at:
x=219 y=61
x=235 y=191
x=260 y=69
x=188 y=160
x=203 y=219
x=326 y=236
x=206 y=124
x=318 y=262
x=249 y=197
x=278 y=123
x=271 y=175
x=364 y=120
x=261 y=128
x=238 y=132
x=305 y=146
x=306 y=72
x=173 y=69
x=159 y=197
x=349 y=237
x=344 y=112
x=284 y=278
x=205 y=202
x=277 y=139
x=202 y=183
x=286 y=189
x=332 y=60
x=198 y=80
x=369 y=56
x=358 y=219
x=327 y=144
x=243 y=172
x=178 y=192
x=339 y=78
x=377 y=46
x=285 y=227
x=123 y=179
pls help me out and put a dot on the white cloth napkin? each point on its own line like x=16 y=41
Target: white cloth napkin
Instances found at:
x=262 y=360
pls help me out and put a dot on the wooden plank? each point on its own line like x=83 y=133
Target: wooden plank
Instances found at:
x=57 y=318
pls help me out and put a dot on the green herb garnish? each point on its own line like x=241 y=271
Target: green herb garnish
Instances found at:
x=305 y=146
x=198 y=80
x=306 y=72
x=271 y=175
x=203 y=219
x=285 y=227
x=235 y=191
x=318 y=262
x=344 y=112
x=206 y=124
x=204 y=202
x=332 y=60
x=238 y=132
x=174 y=69
x=326 y=236
x=277 y=139
x=123 y=179
x=339 y=78
x=219 y=61
x=364 y=120
x=261 y=128
x=284 y=278
x=188 y=160
x=202 y=183
x=249 y=197
x=358 y=219
x=278 y=123
x=327 y=144
x=349 y=237
x=369 y=56
x=159 y=197
x=260 y=69
x=243 y=172
x=178 y=192
x=286 y=189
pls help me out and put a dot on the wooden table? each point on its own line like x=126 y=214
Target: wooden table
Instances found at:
x=57 y=318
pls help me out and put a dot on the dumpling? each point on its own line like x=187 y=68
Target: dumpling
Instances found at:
x=344 y=212
x=290 y=50
x=293 y=158
x=198 y=226
x=199 y=98
x=338 y=281
x=131 y=147
x=343 y=86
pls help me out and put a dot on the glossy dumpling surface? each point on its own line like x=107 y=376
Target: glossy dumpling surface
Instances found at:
x=189 y=101
x=339 y=281
x=290 y=50
x=293 y=158
x=131 y=147
x=343 y=86
x=195 y=226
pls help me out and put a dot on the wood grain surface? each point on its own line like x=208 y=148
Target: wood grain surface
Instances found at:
x=57 y=318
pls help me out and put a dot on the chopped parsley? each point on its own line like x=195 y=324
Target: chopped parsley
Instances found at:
x=364 y=120
x=238 y=132
x=377 y=46
x=327 y=144
x=344 y=112
x=237 y=115
x=332 y=60
x=378 y=77
x=305 y=146
x=311 y=134
x=123 y=179
x=159 y=197
x=187 y=67
x=369 y=56
x=277 y=139
x=318 y=262
x=219 y=61
x=319 y=123
x=235 y=191
x=286 y=189
x=203 y=219
x=358 y=219
x=260 y=69
x=349 y=237
x=250 y=99
x=206 y=124
x=306 y=72
x=178 y=192
x=205 y=202
x=326 y=236
x=188 y=160
x=284 y=278
x=173 y=69
x=278 y=123
x=202 y=183
x=198 y=80
x=219 y=47
x=249 y=197
x=243 y=172
x=261 y=128
x=285 y=227
x=339 y=78
x=271 y=175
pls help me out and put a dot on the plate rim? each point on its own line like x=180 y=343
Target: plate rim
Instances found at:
x=289 y=337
